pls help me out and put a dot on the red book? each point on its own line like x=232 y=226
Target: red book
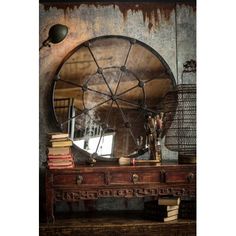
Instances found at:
x=62 y=167
x=64 y=157
x=59 y=151
x=60 y=160
x=62 y=164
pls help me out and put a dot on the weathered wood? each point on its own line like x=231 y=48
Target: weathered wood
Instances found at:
x=115 y=224
x=110 y=180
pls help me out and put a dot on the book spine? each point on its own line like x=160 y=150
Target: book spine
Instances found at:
x=62 y=144
x=60 y=161
x=59 y=157
x=168 y=202
x=60 y=164
x=161 y=207
x=58 y=151
x=60 y=167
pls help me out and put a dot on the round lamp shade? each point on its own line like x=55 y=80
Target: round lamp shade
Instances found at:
x=57 y=33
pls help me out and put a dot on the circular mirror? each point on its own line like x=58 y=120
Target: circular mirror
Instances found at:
x=105 y=89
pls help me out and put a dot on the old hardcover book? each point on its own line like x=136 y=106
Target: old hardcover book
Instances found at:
x=55 y=151
x=170 y=218
x=62 y=167
x=154 y=205
x=161 y=214
x=169 y=201
x=64 y=163
x=58 y=135
x=60 y=157
x=66 y=143
x=58 y=140
x=161 y=218
x=60 y=160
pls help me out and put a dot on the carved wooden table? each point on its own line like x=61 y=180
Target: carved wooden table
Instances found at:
x=112 y=180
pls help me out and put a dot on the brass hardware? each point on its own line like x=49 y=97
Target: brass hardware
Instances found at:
x=190 y=177
x=162 y=176
x=135 y=178
x=79 y=179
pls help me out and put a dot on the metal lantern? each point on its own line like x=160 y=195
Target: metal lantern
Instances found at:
x=180 y=121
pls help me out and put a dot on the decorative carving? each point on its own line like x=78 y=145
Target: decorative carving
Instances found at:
x=122 y=192
x=75 y=195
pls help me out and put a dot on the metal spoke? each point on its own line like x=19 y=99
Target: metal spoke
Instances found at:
x=83 y=99
x=139 y=115
x=109 y=112
x=126 y=120
x=99 y=104
x=136 y=105
x=103 y=130
x=122 y=113
x=144 y=96
x=121 y=72
x=107 y=83
x=72 y=83
x=163 y=73
x=99 y=141
x=101 y=93
x=99 y=67
x=66 y=121
x=133 y=104
x=126 y=91
x=132 y=135
x=128 y=53
x=93 y=56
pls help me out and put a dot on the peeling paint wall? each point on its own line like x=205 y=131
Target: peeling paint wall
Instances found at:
x=152 y=23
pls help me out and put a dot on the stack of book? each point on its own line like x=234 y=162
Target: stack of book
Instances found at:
x=59 y=151
x=165 y=209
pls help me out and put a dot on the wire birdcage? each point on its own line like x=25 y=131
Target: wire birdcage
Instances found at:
x=180 y=121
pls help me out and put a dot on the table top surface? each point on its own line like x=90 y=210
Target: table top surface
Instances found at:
x=115 y=166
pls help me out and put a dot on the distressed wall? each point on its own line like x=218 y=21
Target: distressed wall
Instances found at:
x=169 y=28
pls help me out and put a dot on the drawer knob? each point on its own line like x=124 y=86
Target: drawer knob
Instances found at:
x=79 y=179
x=190 y=177
x=162 y=176
x=135 y=178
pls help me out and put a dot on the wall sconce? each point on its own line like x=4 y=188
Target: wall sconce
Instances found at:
x=56 y=34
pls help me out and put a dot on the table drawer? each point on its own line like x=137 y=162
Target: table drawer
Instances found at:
x=79 y=179
x=134 y=177
x=180 y=177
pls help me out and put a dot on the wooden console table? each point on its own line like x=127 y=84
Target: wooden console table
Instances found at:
x=112 y=180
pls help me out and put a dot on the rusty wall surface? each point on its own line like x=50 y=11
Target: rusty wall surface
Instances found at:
x=152 y=23
x=186 y=39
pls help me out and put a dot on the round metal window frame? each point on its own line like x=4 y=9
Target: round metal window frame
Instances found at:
x=87 y=43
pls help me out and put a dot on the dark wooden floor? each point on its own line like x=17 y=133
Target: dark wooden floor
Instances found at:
x=114 y=224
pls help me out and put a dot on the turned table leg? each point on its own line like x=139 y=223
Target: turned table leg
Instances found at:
x=50 y=206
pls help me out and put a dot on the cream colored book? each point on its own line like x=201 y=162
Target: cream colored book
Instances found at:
x=58 y=135
x=169 y=201
x=66 y=143
x=170 y=218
